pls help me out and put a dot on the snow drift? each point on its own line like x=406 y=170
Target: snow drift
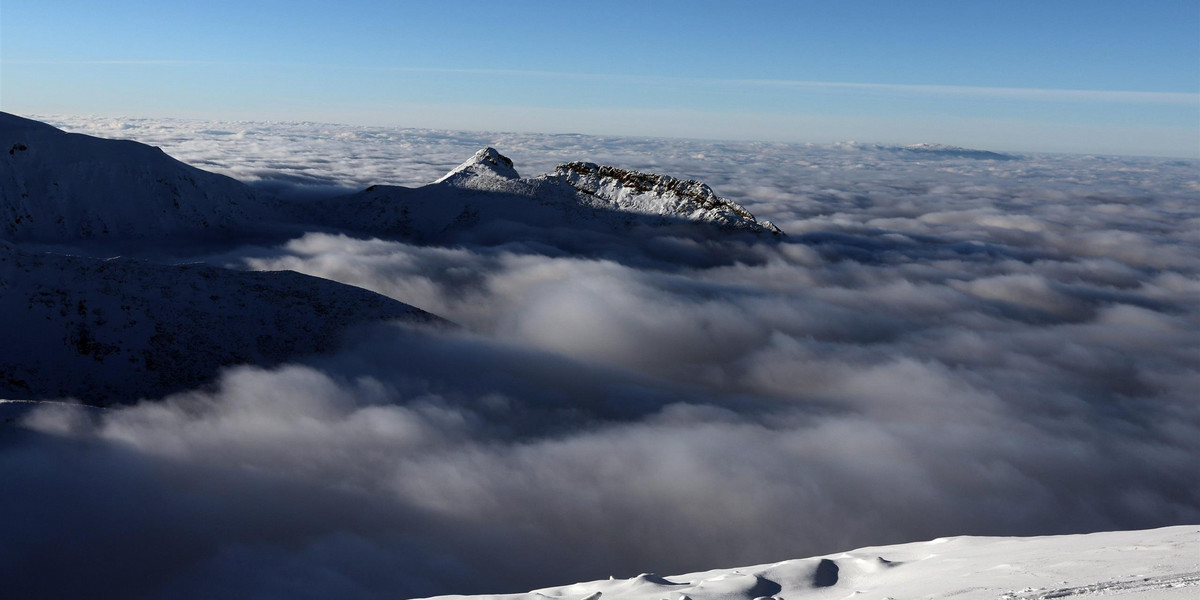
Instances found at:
x=1156 y=564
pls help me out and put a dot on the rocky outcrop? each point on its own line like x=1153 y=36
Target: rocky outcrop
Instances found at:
x=636 y=191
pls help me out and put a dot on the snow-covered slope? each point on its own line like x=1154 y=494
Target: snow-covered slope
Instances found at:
x=119 y=329
x=486 y=193
x=58 y=186
x=1152 y=564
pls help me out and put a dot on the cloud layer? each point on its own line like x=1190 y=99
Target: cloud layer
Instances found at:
x=942 y=346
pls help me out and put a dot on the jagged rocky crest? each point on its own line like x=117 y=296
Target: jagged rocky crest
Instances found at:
x=589 y=186
x=649 y=192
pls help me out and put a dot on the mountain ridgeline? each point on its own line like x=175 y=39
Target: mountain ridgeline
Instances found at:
x=484 y=200
x=82 y=324
x=63 y=187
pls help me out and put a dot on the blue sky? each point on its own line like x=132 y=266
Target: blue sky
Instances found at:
x=1097 y=76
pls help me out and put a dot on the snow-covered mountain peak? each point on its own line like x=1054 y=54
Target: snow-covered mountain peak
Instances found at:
x=486 y=192
x=650 y=193
x=488 y=162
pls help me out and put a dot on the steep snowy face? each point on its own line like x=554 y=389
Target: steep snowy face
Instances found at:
x=648 y=193
x=486 y=164
x=58 y=186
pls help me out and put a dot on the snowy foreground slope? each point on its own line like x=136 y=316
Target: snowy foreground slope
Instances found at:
x=1150 y=564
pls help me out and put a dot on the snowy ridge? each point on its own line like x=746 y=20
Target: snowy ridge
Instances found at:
x=649 y=193
x=57 y=186
x=120 y=329
x=1152 y=564
x=485 y=194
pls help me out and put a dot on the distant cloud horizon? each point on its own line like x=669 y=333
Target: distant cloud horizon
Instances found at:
x=663 y=124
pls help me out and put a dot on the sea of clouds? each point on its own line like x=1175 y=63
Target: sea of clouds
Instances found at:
x=940 y=346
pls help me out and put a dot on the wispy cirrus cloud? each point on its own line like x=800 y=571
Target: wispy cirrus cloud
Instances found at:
x=1007 y=93
x=145 y=62
x=1031 y=94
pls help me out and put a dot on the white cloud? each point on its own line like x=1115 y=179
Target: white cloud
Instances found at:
x=942 y=346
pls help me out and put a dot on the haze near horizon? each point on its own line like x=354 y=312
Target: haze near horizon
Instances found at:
x=1017 y=76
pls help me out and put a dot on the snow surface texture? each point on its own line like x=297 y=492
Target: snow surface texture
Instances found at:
x=1160 y=564
x=941 y=345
